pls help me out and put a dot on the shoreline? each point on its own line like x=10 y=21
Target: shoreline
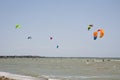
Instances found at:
x=87 y=59
x=10 y=76
x=5 y=78
x=32 y=56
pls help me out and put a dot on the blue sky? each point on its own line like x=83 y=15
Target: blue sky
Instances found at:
x=66 y=21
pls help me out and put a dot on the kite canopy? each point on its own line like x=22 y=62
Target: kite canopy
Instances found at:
x=95 y=38
x=95 y=34
x=57 y=46
x=29 y=37
x=101 y=32
x=18 y=26
x=98 y=30
x=89 y=26
x=51 y=38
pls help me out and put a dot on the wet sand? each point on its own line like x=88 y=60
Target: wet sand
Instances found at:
x=5 y=78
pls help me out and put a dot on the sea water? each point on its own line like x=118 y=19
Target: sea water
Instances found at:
x=60 y=68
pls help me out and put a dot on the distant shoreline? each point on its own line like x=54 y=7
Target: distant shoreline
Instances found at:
x=30 y=56
x=22 y=56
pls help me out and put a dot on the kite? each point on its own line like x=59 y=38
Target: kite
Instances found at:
x=57 y=46
x=101 y=32
x=51 y=38
x=29 y=37
x=89 y=27
x=18 y=26
x=95 y=34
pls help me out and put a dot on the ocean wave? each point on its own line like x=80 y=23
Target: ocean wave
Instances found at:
x=21 y=77
x=53 y=77
x=42 y=77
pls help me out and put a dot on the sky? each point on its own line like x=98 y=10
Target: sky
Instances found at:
x=66 y=21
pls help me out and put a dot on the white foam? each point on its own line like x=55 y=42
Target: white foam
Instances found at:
x=53 y=79
x=17 y=77
x=49 y=78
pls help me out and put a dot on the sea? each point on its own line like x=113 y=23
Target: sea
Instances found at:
x=51 y=68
